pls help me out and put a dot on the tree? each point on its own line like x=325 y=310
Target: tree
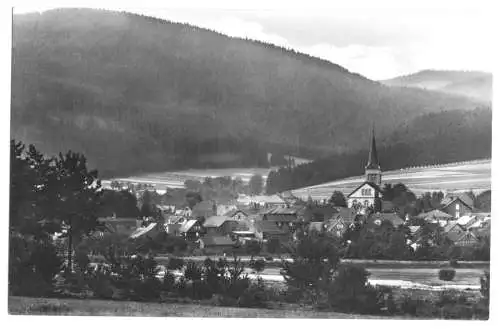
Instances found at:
x=338 y=199
x=193 y=198
x=256 y=184
x=75 y=200
x=315 y=259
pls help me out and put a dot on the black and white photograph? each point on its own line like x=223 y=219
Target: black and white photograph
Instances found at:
x=250 y=160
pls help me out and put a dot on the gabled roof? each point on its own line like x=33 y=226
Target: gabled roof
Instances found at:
x=347 y=214
x=462 y=196
x=466 y=236
x=142 y=231
x=454 y=235
x=448 y=201
x=216 y=221
x=233 y=212
x=394 y=219
x=450 y=225
x=434 y=214
x=375 y=186
x=186 y=226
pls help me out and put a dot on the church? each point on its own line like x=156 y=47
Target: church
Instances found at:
x=366 y=194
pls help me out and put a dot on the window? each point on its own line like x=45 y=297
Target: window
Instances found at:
x=366 y=192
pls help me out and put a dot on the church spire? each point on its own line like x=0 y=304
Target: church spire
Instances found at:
x=372 y=156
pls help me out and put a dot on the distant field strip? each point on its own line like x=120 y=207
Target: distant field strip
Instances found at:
x=474 y=176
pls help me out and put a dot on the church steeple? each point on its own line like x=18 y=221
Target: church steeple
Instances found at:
x=372 y=170
x=372 y=156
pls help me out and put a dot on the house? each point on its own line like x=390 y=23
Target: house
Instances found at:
x=219 y=225
x=455 y=206
x=173 y=229
x=467 y=239
x=265 y=230
x=216 y=244
x=192 y=230
x=453 y=231
x=341 y=221
x=284 y=217
x=318 y=227
x=435 y=216
x=149 y=230
x=379 y=218
x=121 y=225
x=262 y=201
x=236 y=214
x=223 y=209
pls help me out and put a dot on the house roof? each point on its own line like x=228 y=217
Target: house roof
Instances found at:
x=466 y=236
x=213 y=240
x=348 y=214
x=434 y=214
x=270 y=227
x=394 y=219
x=450 y=225
x=216 y=221
x=186 y=226
x=375 y=186
x=203 y=208
x=449 y=200
x=462 y=196
x=233 y=212
x=316 y=226
x=454 y=235
x=141 y=231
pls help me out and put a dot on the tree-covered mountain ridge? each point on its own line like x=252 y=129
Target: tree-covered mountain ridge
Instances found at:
x=473 y=84
x=140 y=94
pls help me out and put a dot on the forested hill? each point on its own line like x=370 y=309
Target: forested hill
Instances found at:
x=430 y=139
x=136 y=94
x=474 y=84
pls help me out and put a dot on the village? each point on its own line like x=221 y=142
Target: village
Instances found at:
x=272 y=220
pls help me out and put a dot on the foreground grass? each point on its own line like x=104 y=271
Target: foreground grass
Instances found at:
x=77 y=307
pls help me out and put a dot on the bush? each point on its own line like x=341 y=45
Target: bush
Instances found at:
x=255 y=295
x=175 y=263
x=257 y=265
x=315 y=259
x=33 y=265
x=350 y=291
x=446 y=274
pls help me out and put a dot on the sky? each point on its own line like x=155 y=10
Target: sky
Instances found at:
x=378 y=42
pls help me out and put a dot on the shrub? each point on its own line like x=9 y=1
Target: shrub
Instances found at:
x=446 y=274
x=255 y=295
x=175 y=263
x=257 y=265
x=193 y=272
x=168 y=283
x=33 y=265
x=349 y=292
x=315 y=259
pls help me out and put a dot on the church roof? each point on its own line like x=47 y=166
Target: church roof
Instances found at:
x=375 y=186
x=373 y=162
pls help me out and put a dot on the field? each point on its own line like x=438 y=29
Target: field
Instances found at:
x=475 y=176
x=78 y=307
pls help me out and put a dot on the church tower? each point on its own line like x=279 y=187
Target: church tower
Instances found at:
x=373 y=173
